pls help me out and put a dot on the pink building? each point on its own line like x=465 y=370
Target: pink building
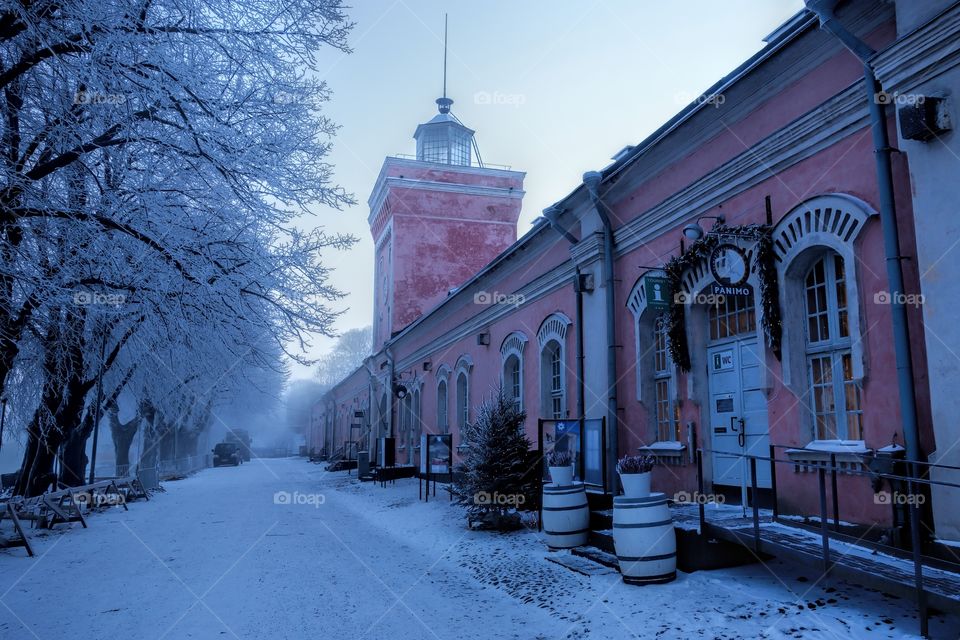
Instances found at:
x=770 y=335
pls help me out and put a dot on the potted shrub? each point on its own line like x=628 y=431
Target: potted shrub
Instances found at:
x=635 y=475
x=560 y=464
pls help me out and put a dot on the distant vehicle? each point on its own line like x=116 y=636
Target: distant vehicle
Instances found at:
x=240 y=437
x=226 y=453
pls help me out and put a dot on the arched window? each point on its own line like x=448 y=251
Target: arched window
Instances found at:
x=553 y=376
x=553 y=381
x=415 y=419
x=405 y=420
x=834 y=390
x=511 y=381
x=463 y=402
x=511 y=375
x=443 y=419
x=667 y=412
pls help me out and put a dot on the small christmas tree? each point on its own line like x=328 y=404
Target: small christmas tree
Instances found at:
x=498 y=475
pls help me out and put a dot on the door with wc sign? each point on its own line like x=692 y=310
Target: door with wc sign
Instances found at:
x=738 y=412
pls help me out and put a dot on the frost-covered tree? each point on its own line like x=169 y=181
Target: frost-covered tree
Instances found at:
x=153 y=156
x=349 y=352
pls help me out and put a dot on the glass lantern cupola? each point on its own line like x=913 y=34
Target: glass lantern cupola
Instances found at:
x=444 y=139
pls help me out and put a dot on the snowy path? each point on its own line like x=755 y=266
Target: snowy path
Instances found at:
x=216 y=557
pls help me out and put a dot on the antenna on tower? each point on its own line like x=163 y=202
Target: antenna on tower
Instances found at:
x=445 y=16
x=443 y=104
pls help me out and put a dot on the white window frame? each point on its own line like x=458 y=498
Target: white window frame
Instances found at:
x=553 y=330
x=645 y=321
x=833 y=349
x=826 y=222
x=663 y=378
x=463 y=368
x=443 y=413
x=512 y=347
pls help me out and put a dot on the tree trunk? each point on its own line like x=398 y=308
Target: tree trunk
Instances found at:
x=122 y=434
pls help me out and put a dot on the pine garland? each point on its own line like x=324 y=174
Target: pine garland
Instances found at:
x=764 y=265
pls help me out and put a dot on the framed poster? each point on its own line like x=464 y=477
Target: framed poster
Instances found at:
x=436 y=454
x=561 y=435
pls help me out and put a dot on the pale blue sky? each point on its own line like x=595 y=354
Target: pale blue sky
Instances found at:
x=570 y=84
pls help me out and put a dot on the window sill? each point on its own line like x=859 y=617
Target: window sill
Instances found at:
x=849 y=455
x=670 y=451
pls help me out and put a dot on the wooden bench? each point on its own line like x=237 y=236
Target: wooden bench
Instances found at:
x=9 y=509
x=62 y=507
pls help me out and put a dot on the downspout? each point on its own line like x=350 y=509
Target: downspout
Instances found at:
x=552 y=214
x=888 y=221
x=592 y=181
x=390 y=362
x=372 y=434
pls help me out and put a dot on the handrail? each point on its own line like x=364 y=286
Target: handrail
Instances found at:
x=869 y=455
x=823 y=467
x=831 y=467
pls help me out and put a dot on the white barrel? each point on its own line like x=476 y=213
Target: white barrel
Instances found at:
x=645 y=540
x=566 y=516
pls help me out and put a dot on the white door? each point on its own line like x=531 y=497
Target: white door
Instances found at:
x=738 y=412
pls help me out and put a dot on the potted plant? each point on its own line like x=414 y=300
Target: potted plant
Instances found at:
x=635 y=475
x=561 y=467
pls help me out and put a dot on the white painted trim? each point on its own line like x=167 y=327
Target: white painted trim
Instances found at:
x=927 y=52
x=811 y=225
x=553 y=327
x=443 y=372
x=383 y=187
x=515 y=342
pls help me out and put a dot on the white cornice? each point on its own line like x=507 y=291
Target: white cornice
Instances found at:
x=813 y=132
x=921 y=55
x=392 y=182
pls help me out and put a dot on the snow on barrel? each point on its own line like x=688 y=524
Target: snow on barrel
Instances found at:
x=566 y=516
x=644 y=538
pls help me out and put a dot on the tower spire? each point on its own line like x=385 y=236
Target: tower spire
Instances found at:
x=443 y=104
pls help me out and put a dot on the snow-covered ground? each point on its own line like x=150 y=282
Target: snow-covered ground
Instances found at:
x=280 y=549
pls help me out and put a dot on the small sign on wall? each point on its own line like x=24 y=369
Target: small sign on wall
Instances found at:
x=723 y=360
x=657 y=290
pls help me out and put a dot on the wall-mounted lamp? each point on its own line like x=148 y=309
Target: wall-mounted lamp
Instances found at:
x=400 y=390
x=428 y=366
x=694 y=231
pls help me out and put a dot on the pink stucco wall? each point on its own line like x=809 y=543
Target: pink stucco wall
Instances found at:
x=442 y=239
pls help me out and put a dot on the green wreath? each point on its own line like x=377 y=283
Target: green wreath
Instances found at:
x=764 y=265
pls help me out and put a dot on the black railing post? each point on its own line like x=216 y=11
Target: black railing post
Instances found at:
x=912 y=501
x=833 y=488
x=700 y=496
x=824 y=533
x=755 y=502
x=773 y=479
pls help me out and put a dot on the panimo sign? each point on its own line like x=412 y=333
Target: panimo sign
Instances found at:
x=742 y=290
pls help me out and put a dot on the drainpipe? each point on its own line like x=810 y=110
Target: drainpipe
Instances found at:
x=592 y=181
x=387 y=352
x=888 y=221
x=373 y=434
x=552 y=214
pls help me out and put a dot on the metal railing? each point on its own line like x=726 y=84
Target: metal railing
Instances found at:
x=183 y=466
x=911 y=478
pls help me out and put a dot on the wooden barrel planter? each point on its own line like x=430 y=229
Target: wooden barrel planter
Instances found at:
x=644 y=538
x=566 y=516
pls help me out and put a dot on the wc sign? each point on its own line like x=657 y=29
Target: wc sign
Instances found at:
x=658 y=292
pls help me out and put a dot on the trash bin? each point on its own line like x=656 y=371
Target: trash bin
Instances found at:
x=363 y=463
